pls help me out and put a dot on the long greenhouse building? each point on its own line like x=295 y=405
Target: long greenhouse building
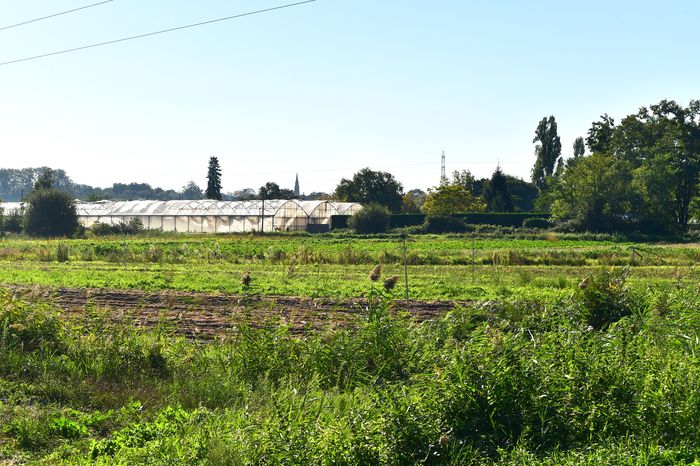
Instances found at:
x=209 y=216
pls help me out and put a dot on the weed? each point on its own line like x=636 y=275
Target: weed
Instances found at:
x=604 y=299
x=62 y=252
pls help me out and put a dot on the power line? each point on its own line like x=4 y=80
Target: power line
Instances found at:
x=140 y=36
x=55 y=14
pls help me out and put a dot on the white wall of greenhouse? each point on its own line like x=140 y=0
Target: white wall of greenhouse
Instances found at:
x=216 y=216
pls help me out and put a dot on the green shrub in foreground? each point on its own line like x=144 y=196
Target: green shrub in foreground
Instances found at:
x=500 y=382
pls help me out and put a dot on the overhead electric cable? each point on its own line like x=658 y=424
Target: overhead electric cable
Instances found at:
x=163 y=31
x=55 y=14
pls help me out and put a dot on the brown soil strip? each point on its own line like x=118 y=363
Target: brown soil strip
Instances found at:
x=209 y=316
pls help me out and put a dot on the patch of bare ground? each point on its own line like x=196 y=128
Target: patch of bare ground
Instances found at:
x=209 y=316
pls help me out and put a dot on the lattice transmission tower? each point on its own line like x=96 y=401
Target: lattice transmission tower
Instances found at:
x=443 y=173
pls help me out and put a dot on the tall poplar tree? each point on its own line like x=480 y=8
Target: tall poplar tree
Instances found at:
x=214 y=180
x=579 y=147
x=547 y=151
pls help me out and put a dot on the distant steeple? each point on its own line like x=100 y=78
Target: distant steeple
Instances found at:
x=297 y=193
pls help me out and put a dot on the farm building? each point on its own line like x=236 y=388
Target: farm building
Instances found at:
x=217 y=216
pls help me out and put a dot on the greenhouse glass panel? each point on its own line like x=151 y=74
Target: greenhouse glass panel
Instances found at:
x=209 y=216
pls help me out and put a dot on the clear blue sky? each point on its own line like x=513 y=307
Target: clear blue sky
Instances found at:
x=329 y=87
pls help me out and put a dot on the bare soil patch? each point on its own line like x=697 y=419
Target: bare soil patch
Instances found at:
x=209 y=316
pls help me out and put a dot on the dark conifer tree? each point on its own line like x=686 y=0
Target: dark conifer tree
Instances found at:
x=497 y=194
x=214 y=180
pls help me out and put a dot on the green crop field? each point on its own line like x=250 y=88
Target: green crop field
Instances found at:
x=562 y=350
x=441 y=268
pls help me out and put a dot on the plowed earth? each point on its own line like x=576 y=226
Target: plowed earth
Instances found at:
x=209 y=316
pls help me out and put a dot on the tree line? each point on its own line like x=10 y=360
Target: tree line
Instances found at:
x=640 y=175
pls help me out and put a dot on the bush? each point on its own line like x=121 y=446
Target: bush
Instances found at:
x=372 y=219
x=445 y=224
x=29 y=326
x=62 y=253
x=50 y=213
x=132 y=227
x=101 y=229
x=12 y=223
x=604 y=299
x=535 y=222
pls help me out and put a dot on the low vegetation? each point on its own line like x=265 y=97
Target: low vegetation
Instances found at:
x=507 y=382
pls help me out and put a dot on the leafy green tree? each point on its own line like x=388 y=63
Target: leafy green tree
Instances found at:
x=214 y=180
x=523 y=194
x=413 y=201
x=448 y=199
x=368 y=186
x=498 y=198
x=600 y=135
x=192 y=192
x=547 y=151
x=273 y=191
x=662 y=139
x=579 y=147
x=466 y=179
x=50 y=212
x=594 y=194
x=45 y=180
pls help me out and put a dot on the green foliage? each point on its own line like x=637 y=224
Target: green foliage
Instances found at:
x=497 y=382
x=371 y=187
x=14 y=221
x=451 y=198
x=45 y=181
x=373 y=218
x=604 y=298
x=536 y=222
x=660 y=147
x=213 y=180
x=62 y=252
x=29 y=326
x=273 y=191
x=498 y=198
x=133 y=226
x=547 y=151
x=50 y=213
x=412 y=201
x=579 y=147
x=192 y=192
x=445 y=224
x=594 y=193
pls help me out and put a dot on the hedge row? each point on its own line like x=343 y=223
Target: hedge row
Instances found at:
x=479 y=218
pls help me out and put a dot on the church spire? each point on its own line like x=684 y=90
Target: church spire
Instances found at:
x=297 y=193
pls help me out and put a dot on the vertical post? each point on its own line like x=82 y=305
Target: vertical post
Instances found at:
x=262 y=216
x=405 y=265
x=473 y=278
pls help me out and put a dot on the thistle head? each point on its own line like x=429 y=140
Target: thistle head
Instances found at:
x=246 y=279
x=391 y=282
x=376 y=273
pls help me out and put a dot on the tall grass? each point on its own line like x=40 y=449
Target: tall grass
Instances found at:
x=508 y=382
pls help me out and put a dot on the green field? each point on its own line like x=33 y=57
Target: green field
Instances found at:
x=439 y=268
x=568 y=350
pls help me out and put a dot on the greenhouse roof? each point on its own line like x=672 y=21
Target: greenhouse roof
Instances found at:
x=208 y=207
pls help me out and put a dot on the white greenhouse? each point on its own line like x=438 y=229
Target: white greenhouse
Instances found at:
x=218 y=216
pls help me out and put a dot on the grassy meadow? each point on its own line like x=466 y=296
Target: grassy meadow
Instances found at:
x=566 y=350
